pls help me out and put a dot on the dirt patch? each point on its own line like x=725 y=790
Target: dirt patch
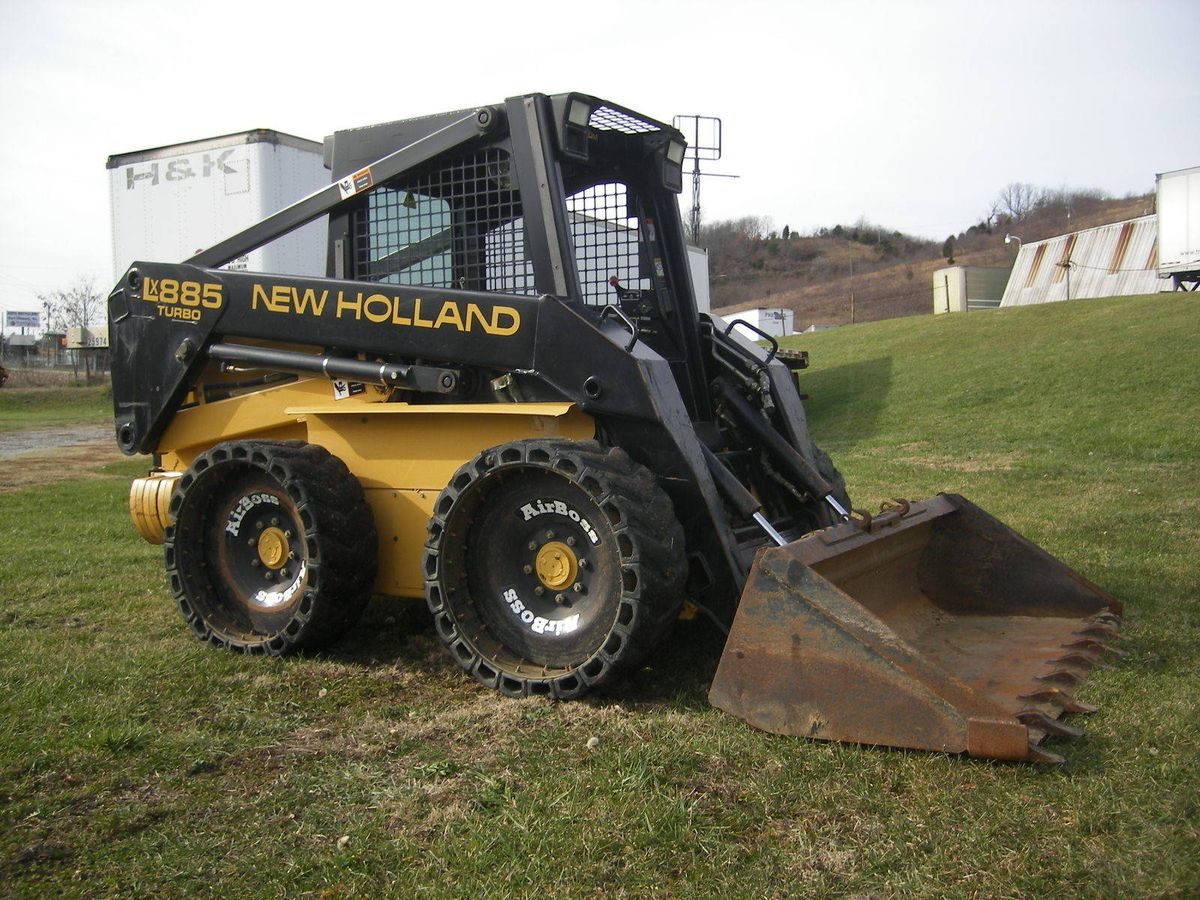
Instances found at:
x=922 y=457
x=44 y=455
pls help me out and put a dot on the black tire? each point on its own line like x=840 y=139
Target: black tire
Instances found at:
x=513 y=533
x=831 y=474
x=301 y=590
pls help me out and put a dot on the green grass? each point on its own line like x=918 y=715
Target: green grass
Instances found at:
x=50 y=406
x=134 y=760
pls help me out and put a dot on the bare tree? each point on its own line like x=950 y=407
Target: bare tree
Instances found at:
x=1018 y=200
x=76 y=306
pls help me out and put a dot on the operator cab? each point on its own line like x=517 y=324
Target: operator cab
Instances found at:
x=579 y=201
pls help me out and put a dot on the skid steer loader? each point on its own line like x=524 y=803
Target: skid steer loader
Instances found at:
x=503 y=398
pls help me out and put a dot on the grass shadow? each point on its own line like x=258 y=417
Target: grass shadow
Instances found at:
x=845 y=402
x=400 y=632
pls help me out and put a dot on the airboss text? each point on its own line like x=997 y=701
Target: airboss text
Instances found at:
x=383 y=309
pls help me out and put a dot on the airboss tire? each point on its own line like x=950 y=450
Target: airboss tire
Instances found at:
x=552 y=566
x=272 y=547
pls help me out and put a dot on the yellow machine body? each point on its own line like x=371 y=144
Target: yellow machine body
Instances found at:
x=402 y=454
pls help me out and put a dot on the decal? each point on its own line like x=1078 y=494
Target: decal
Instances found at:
x=558 y=508
x=182 y=169
x=182 y=299
x=343 y=389
x=539 y=624
x=385 y=309
x=355 y=184
x=283 y=595
x=247 y=503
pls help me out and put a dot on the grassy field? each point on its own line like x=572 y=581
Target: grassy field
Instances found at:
x=134 y=760
x=36 y=407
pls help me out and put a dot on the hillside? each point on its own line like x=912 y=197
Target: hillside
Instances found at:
x=892 y=273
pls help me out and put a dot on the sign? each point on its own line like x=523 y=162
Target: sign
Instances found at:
x=13 y=319
x=90 y=337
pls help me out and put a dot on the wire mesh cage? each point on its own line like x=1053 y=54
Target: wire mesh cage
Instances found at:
x=458 y=225
x=606 y=241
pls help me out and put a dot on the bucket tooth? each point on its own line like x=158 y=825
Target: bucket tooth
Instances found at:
x=1082 y=660
x=1094 y=646
x=1100 y=631
x=1036 y=719
x=1060 y=698
x=1044 y=757
x=1061 y=676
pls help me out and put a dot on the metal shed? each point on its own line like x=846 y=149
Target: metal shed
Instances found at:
x=968 y=288
x=1107 y=261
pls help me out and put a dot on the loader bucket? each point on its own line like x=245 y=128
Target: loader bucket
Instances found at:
x=934 y=627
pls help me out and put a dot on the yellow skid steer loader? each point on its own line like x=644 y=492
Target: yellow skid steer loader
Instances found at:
x=502 y=397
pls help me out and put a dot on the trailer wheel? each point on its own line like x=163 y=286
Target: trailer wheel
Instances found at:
x=272 y=547
x=552 y=566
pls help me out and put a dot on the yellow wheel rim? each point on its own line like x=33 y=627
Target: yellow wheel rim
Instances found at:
x=272 y=548
x=556 y=565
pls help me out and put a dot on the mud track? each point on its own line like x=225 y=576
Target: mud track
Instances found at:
x=42 y=455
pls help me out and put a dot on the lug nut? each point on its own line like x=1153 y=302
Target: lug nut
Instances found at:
x=577 y=588
x=527 y=569
x=291 y=554
x=560 y=598
x=288 y=535
x=533 y=545
x=274 y=520
x=258 y=525
x=252 y=542
x=268 y=576
x=570 y=542
x=254 y=562
x=539 y=590
x=583 y=563
x=549 y=535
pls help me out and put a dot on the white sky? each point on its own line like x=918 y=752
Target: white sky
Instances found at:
x=912 y=114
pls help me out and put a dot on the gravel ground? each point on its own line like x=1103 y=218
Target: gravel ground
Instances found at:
x=20 y=443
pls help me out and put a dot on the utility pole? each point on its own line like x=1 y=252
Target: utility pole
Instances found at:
x=851 y=286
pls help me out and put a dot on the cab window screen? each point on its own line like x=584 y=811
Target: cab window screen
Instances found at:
x=458 y=225
x=606 y=241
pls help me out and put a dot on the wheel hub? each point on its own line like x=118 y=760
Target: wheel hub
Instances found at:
x=556 y=565
x=272 y=547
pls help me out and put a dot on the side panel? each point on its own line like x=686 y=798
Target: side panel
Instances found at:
x=404 y=456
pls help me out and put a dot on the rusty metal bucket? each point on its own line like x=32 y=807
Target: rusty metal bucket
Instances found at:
x=934 y=627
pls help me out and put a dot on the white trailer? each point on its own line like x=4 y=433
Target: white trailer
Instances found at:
x=1179 y=227
x=775 y=321
x=170 y=202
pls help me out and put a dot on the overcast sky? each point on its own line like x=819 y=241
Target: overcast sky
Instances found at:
x=911 y=114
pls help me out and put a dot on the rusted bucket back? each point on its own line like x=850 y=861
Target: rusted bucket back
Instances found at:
x=941 y=630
